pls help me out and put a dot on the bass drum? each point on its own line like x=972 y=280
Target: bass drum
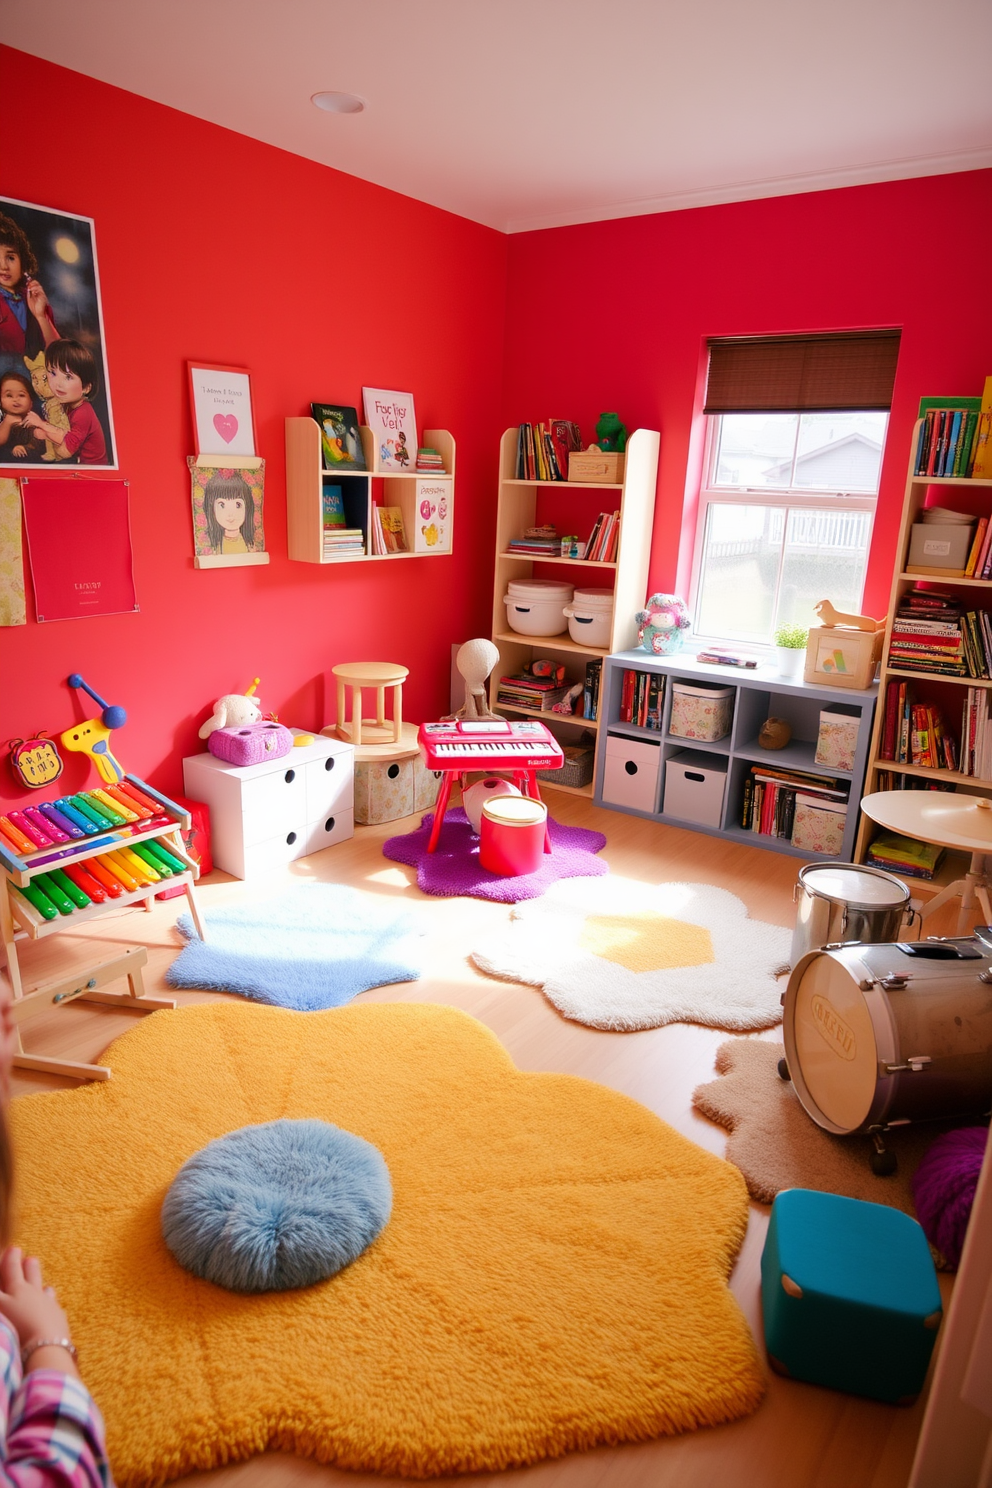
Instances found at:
x=881 y=1035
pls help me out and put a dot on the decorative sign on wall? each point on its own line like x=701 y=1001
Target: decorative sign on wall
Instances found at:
x=432 y=529
x=12 y=607
x=79 y=547
x=222 y=417
x=227 y=495
x=54 y=387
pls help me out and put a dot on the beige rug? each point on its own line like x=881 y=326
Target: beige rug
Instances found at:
x=776 y=1145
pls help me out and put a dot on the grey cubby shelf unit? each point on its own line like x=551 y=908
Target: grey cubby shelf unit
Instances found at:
x=758 y=693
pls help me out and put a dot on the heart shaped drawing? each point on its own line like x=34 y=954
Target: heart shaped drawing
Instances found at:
x=226 y=425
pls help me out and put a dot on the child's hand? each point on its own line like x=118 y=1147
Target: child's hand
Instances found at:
x=20 y=452
x=36 y=298
x=26 y=1303
x=32 y=420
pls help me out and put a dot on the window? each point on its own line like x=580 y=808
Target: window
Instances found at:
x=790 y=480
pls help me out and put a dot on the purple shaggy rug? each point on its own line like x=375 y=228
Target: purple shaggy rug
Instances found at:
x=455 y=868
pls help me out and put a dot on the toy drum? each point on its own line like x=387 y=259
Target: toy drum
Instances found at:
x=846 y=902
x=512 y=838
x=881 y=1035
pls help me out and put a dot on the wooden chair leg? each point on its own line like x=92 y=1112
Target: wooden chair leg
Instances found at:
x=356 y=716
x=397 y=712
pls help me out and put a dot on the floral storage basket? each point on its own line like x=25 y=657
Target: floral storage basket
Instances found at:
x=701 y=712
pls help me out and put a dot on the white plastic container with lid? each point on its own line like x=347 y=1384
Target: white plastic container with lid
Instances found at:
x=536 y=606
x=590 y=617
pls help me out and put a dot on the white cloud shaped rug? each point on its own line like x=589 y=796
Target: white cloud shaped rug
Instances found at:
x=622 y=955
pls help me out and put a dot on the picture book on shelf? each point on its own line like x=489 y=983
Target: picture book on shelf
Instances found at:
x=332 y=506
x=393 y=422
x=340 y=441
x=393 y=531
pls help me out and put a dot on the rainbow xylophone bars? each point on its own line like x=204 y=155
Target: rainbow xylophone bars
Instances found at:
x=98 y=879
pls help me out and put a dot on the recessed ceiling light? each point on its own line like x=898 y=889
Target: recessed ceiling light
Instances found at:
x=338 y=103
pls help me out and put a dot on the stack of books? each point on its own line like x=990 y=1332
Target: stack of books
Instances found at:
x=726 y=656
x=886 y=780
x=537 y=543
x=976 y=636
x=604 y=538
x=642 y=695
x=946 y=446
x=429 y=460
x=976 y=734
x=926 y=634
x=914 y=733
x=543 y=449
x=590 y=698
x=341 y=540
x=905 y=856
x=771 y=795
x=523 y=690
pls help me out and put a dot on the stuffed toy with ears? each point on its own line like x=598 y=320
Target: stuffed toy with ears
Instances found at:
x=233 y=710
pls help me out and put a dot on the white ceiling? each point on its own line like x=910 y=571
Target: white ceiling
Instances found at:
x=535 y=113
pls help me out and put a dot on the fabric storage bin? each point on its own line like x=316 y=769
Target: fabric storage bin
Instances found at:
x=837 y=739
x=590 y=617
x=536 y=606
x=695 y=785
x=701 y=711
x=941 y=545
x=387 y=789
x=577 y=769
x=631 y=774
x=818 y=828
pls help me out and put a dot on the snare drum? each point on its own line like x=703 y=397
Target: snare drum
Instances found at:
x=881 y=1035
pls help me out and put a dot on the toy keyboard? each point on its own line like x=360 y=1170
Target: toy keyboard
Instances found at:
x=489 y=745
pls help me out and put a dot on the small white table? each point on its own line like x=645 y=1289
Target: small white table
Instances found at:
x=949 y=820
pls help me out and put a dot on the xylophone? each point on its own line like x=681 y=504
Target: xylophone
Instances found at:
x=517 y=748
x=109 y=846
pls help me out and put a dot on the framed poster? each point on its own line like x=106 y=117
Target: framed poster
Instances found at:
x=227 y=495
x=54 y=385
x=222 y=416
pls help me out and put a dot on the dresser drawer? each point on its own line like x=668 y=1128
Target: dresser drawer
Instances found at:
x=330 y=829
x=330 y=785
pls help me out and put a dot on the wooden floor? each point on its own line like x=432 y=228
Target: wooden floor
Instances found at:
x=801 y=1437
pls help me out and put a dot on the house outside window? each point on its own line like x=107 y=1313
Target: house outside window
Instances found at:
x=790 y=479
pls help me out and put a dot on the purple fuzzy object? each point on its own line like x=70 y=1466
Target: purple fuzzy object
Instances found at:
x=944 y=1188
x=455 y=868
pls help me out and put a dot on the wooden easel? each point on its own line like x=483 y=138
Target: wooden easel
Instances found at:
x=83 y=987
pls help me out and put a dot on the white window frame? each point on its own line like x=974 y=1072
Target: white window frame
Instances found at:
x=840 y=501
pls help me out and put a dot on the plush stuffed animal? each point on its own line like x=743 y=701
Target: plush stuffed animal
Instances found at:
x=475 y=660
x=233 y=710
x=54 y=412
x=611 y=434
x=661 y=623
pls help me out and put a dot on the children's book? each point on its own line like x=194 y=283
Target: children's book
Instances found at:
x=340 y=441
x=391 y=418
x=393 y=532
x=333 y=507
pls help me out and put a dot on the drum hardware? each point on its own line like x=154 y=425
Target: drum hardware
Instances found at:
x=883 y=1162
x=896 y=982
x=983 y=976
x=914 y=1063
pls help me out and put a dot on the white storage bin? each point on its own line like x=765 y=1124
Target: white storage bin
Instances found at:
x=631 y=775
x=695 y=785
x=590 y=617
x=700 y=711
x=536 y=606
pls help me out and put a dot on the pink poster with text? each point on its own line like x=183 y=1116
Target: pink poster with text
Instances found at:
x=79 y=546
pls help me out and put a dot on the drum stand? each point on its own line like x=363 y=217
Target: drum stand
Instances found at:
x=974 y=886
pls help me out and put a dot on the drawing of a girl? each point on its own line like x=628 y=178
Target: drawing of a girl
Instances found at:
x=229 y=507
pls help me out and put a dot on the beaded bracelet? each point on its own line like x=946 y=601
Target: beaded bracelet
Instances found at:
x=37 y=1343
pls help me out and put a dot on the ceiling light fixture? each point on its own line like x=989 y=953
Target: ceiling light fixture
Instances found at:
x=338 y=103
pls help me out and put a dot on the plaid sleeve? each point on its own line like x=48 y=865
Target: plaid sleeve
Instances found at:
x=55 y=1436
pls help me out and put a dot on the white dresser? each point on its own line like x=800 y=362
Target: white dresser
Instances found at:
x=265 y=815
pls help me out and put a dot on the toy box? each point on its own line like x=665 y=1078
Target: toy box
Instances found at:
x=596 y=465
x=837 y=739
x=836 y=657
x=700 y=711
x=386 y=789
x=818 y=827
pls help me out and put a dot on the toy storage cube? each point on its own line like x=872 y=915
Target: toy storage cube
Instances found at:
x=386 y=789
x=849 y=1295
x=837 y=739
x=695 y=785
x=700 y=711
x=818 y=828
x=632 y=770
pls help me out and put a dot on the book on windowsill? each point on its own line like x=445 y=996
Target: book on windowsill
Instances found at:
x=727 y=656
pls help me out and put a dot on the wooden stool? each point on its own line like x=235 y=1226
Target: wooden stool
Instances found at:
x=380 y=675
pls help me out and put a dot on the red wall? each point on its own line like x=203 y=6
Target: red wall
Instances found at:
x=214 y=246
x=615 y=315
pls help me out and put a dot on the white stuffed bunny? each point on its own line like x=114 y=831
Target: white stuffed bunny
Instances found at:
x=233 y=710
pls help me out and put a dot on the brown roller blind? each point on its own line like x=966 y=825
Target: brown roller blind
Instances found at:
x=789 y=374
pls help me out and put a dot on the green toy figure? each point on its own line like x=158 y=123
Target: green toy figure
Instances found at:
x=611 y=434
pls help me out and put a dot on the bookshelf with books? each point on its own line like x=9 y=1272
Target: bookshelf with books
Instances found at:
x=933 y=727
x=387 y=515
x=769 y=796
x=620 y=517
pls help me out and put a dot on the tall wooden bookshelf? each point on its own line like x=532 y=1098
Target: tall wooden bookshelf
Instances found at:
x=948 y=693
x=573 y=506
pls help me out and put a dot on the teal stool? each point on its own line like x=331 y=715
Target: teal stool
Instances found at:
x=849 y=1295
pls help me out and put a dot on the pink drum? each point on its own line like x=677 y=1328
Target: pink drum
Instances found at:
x=512 y=838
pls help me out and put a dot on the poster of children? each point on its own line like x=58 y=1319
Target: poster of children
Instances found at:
x=54 y=391
x=227 y=512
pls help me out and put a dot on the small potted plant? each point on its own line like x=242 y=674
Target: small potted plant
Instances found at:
x=790 y=648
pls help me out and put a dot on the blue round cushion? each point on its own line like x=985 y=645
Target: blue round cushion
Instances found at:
x=276 y=1206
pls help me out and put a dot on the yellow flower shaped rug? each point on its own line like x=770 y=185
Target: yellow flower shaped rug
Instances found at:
x=553 y=1275
x=621 y=955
